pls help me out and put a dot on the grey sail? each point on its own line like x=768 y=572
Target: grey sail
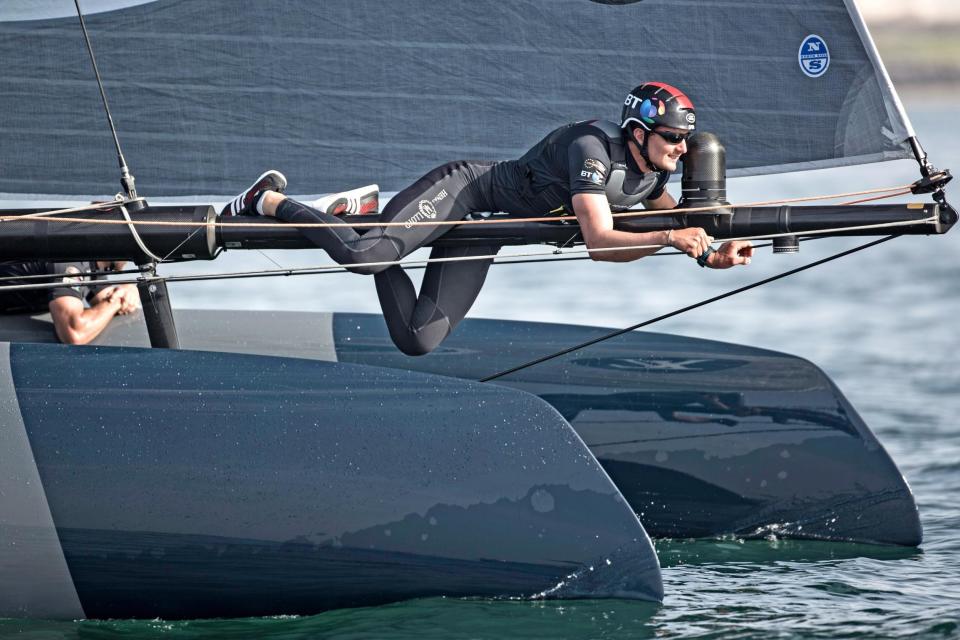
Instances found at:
x=347 y=92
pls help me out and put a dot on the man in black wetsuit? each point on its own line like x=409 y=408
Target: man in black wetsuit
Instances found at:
x=73 y=321
x=588 y=168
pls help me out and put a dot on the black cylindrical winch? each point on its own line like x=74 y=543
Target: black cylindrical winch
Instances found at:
x=704 y=181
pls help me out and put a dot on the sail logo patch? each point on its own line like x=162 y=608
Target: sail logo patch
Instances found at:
x=814 y=56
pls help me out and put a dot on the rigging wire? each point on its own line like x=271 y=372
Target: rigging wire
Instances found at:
x=44 y=214
x=534 y=257
x=884 y=192
x=548 y=256
x=682 y=310
x=298 y=271
x=887 y=192
x=126 y=179
x=545 y=257
x=139 y=240
x=83 y=274
x=275 y=263
x=185 y=241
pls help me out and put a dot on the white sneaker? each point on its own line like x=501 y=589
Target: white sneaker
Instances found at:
x=357 y=201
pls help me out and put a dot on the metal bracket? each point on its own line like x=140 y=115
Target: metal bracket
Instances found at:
x=933 y=182
x=158 y=313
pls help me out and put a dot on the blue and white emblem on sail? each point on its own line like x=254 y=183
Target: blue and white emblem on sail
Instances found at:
x=814 y=56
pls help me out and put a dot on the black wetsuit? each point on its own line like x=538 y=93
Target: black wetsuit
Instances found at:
x=38 y=300
x=584 y=157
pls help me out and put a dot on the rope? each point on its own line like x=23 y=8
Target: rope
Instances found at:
x=54 y=276
x=299 y=271
x=545 y=255
x=900 y=190
x=554 y=254
x=677 y=312
x=862 y=200
x=139 y=240
x=43 y=214
x=560 y=252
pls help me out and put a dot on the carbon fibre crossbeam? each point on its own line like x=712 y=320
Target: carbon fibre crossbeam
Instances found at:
x=46 y=239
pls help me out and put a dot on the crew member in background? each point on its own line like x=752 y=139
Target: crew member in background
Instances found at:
x=588 y=168
x=79 y=308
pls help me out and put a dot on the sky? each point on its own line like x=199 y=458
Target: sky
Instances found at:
x=923 y=11
x=911 y=11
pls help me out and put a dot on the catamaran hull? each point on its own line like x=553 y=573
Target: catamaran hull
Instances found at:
x=185 y=484
x=703 y=438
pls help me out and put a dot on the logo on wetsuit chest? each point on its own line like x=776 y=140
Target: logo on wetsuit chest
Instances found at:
x=594 y=171
x=426 y=209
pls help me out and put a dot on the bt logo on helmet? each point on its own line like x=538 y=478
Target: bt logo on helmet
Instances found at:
x=631 y=101
x=649 y=108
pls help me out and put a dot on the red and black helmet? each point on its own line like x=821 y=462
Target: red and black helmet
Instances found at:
x=655 y=104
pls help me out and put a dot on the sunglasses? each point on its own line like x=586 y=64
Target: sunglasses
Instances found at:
x=673 y=138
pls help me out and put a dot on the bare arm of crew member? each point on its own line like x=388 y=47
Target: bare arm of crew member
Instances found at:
x=75 y=324
x=596 y=224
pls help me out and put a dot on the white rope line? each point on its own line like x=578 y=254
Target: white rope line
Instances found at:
x=818 y=232
x=556 y=253
x=483 y=221
x=137 y=238
x=44 y=214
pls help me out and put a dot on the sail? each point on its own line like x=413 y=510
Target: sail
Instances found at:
x=340 y=93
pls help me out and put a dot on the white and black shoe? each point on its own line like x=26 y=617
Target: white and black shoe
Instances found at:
x=356 y=201
x=245 y=203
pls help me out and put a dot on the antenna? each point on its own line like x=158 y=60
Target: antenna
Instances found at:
x=126 y=178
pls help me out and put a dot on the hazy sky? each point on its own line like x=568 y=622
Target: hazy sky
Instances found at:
x=929 y=11
x=925 y=11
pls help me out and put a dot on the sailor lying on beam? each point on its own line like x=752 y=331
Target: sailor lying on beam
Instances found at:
x=587 y=168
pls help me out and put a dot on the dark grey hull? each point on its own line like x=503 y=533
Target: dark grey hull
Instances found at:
x=184 y=484
x=702 y=438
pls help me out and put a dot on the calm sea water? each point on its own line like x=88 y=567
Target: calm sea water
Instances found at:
x=882 y=323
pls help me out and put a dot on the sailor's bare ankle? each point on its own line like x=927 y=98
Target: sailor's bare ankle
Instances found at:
x=271 y=200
